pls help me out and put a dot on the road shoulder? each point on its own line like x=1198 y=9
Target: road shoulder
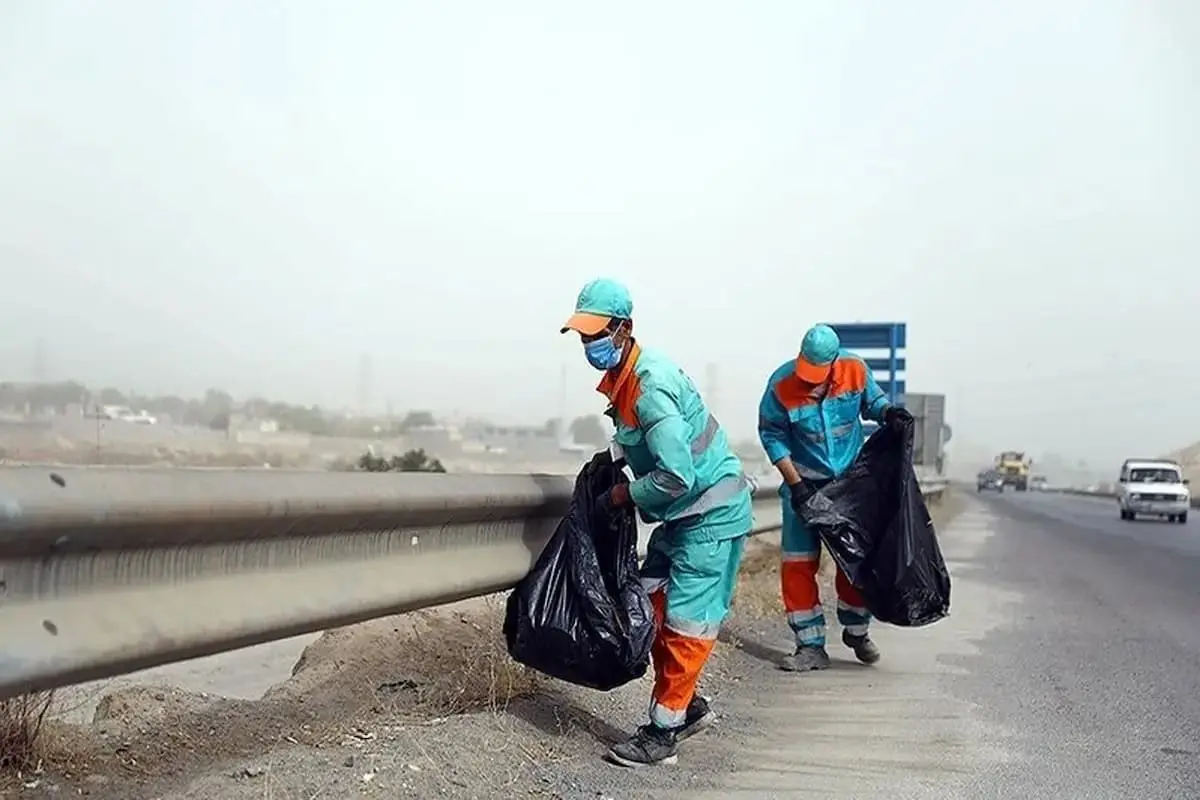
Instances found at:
x=373 y=711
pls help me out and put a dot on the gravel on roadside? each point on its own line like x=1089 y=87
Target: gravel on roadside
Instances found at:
x=419 y=705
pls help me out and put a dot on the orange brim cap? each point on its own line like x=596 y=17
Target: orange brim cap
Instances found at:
x=587 y=324
x=810 y=372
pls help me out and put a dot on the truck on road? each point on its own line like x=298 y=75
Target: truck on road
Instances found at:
x=1013 y=467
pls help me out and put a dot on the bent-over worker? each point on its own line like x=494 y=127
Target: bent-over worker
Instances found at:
x=810 y=425
x=688 y=479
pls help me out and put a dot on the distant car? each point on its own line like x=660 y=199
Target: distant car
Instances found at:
x=989 y=479
x=1038 y=483
x=1153 y=488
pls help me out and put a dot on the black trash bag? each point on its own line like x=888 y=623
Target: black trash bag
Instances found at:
x=581 y=615
x=875 y=524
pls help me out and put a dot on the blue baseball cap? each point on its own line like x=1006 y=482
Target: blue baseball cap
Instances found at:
x=599 y=302
x=820 y=347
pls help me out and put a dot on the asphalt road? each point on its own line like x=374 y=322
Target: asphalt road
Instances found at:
x=1097 y=672
x=1069 y=668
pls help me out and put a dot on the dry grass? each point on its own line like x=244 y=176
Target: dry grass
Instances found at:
x=758 y=590
x=946 y=507
x=463 y=663
x=412 y=669
x=22 y=721
x=433 y=663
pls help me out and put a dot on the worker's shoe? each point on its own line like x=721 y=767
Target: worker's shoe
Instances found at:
x=651 y=745
x=864 y=649
x=807 y=658
x=699 y=716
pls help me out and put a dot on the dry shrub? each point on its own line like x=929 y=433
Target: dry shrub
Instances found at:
x=947 y=506
x=21 y=722
x=463 y=662
x=758 y=592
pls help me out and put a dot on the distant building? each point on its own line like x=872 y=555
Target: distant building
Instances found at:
x=517 y=440
x=243 y=422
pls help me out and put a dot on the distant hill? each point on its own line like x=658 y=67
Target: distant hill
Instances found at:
x=1189 y=458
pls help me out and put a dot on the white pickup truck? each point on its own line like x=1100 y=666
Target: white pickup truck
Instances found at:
x=1155 y=488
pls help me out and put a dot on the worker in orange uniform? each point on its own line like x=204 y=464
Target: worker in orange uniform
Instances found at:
x=687 y=479
x=810 y=425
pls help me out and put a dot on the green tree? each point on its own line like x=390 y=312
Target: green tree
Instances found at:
x=411 y=461
x=417 y=461
x=218 y=397
x=589 y=430
x=217 y=405
x=369 y=462
x=108 y=396
x=11 y=395
x=417 y=419
x=257 y=407
x=170 y=405
x=299 y=418
x=56 y=396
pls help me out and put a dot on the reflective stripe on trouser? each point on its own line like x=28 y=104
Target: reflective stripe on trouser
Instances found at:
x=690 y=576
x=801 y=595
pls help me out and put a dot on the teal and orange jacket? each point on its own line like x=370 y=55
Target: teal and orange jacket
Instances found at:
x=822 y=435
x=685 y=469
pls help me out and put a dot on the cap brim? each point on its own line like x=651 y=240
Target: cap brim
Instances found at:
x=587 y=324
x=810 y=372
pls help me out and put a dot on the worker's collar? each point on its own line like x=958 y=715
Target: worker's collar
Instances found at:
x=819 y=391
x=615 y=380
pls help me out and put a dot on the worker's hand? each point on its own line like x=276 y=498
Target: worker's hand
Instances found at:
x=614 y=499
x=896 y=416
x=799 y=493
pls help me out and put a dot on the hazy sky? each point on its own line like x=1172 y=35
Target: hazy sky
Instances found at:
x=255 y=194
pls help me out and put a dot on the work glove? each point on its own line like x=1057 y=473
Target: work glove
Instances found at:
x=799 y=493
x=896 y=416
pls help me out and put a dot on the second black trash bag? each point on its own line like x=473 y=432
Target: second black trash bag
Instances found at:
x=874 y=522
x=581 y=615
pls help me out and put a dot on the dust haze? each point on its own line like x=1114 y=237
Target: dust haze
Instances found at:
x=378 y=205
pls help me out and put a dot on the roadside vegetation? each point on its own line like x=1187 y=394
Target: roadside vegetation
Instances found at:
x=22 y=722
x=411 y=461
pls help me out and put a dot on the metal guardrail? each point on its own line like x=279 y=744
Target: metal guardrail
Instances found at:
x=107 y=571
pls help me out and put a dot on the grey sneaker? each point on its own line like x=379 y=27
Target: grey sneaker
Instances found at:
x=864 y=649
x=807 y=658
x=651 y=745
x=699 y=716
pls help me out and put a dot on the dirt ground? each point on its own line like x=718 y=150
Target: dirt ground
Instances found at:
x=421 y=705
